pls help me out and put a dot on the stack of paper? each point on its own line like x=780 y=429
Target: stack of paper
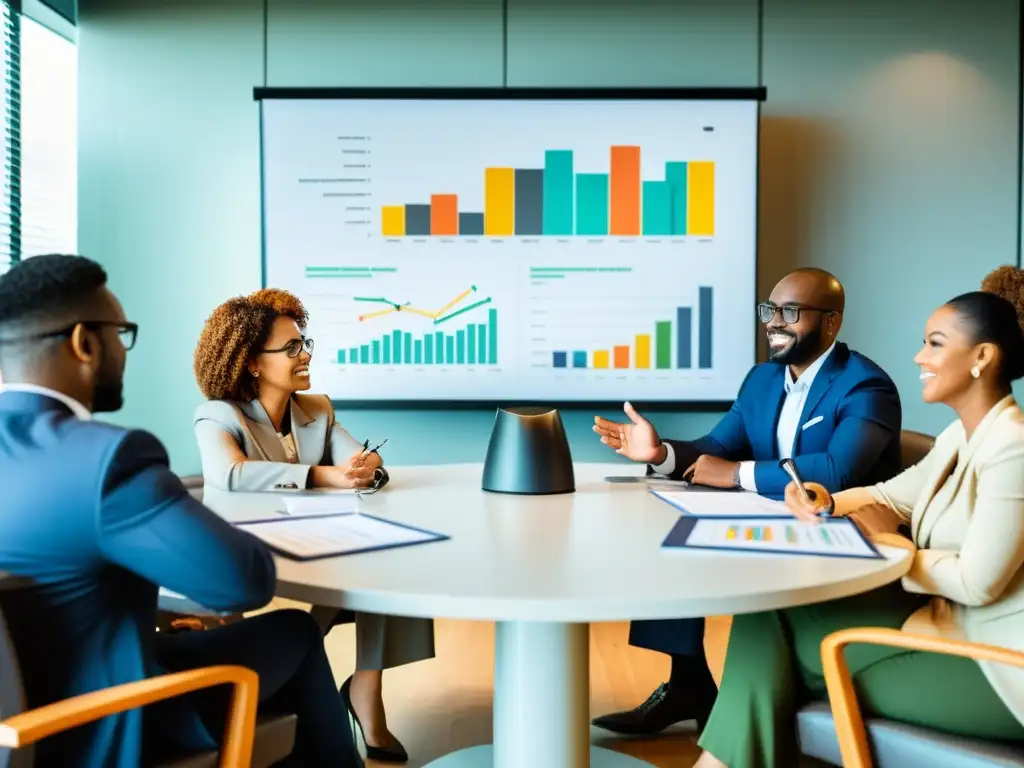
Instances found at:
x=717 y=504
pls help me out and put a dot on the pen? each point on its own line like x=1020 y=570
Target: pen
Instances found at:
x=367 y=449
x=789 y=467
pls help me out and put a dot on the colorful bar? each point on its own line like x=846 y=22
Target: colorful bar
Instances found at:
x=387 y=350
x=706 y=311
x=471 y=224
x=499 y=201
x=592 y=204
x=428 y=349
x=601 y=358
x=529 y=202
x=643 y=350
x=558 y=359
x=444 y=214
x=558 y=183
x=625 y=191
x=663 y=345
x=364 y=354
x=439 y=347
x=341 y=356
x=376 y=352
x=684 y=323
x=417 y=220
x=471 y=344
x=353 y=355
x=449 y=349
x=481 y=344
x=701 y=212
x=579 y=359
x=407 y=347
x=392 y=220
x=657 y=208
x=621 y=356
x=417 y=354
x=492 y=336
x=675 y=175
x=460 y=347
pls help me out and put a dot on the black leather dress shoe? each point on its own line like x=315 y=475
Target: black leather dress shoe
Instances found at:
x=666 y=706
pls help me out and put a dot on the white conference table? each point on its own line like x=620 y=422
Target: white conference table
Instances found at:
x=544 y=568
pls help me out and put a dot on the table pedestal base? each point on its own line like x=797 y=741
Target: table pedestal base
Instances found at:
x=483 y=757
x=541 y=702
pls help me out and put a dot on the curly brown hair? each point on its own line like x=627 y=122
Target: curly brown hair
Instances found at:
x=1008 y=282
x=231 y=336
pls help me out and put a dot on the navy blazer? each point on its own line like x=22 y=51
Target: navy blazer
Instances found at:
x=856 y=442
x=96 y=521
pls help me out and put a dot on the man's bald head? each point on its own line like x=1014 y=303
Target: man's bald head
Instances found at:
x=809 y=304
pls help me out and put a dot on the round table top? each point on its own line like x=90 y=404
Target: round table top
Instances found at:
x=589 y=556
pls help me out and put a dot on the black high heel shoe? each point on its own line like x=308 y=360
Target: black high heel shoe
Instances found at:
x=381 y=754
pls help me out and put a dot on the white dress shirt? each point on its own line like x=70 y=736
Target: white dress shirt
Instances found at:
x=80 y=411
x=785 y=433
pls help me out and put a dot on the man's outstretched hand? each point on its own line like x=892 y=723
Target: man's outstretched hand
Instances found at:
x=635 y=439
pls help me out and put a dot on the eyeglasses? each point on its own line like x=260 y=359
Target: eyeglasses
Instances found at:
x=378 y=483
x=790 y=314
x=294 y=347
x=127 y=332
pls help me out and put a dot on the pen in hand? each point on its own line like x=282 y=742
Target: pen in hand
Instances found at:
x=789 y=467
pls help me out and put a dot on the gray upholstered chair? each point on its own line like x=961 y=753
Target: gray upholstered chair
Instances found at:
x=892 y=744
x=248 y=741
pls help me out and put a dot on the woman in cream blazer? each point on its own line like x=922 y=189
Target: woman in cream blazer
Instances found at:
x=258 y=431
x=963 y=506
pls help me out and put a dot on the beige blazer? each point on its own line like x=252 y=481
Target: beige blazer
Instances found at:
x=965 y=505
x=241 y=450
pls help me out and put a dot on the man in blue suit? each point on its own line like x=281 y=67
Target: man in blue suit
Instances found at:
x=831 y=410
x=94 y=521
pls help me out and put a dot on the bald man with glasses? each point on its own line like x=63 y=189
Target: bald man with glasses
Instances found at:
x=832 y=410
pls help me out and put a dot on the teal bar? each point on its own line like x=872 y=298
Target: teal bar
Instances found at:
x=407 y=351
x=481 y=344
x=558 y=192
x=376 y=353
x=439 y=339
x=364 y=354
x=341 y=355
x=417 y=355
x=460 y=347
x=676 y=175
x=353 y=355
x=387 y=350
x=492 y=335
x=428 y=349
x=449 y=349
x=657 y=208
x=396 y=343
x=592 y=204
x=471 y=344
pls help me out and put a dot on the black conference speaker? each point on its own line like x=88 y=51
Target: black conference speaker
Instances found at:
x=528 y=453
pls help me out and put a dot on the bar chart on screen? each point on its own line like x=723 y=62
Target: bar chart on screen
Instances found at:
x=602 y=319
x=556 y=198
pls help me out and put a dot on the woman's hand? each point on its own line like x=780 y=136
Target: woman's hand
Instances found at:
x=353 y=476
x=371 y=460
x=806 y=509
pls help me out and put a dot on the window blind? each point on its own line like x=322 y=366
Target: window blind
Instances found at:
x=10 y=123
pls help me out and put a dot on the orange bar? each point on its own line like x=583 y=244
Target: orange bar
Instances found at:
x=621 y=357
x=444 y=214
x=625 y=191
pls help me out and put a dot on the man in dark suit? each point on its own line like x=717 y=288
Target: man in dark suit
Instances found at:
x=831 y=410
x=95 y=522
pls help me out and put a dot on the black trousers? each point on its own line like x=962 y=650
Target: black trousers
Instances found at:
x=681 y=637
x=286 y=649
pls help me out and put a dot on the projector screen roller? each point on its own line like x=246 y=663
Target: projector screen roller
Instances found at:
x=513 y=250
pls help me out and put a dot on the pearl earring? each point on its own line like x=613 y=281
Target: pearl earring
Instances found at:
x=975 y=372
x=256 y=375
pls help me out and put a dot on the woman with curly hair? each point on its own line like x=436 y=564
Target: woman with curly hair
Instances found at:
x=962 y=507
x=259 y=431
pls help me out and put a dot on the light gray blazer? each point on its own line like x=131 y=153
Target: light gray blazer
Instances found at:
x=241 y=451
